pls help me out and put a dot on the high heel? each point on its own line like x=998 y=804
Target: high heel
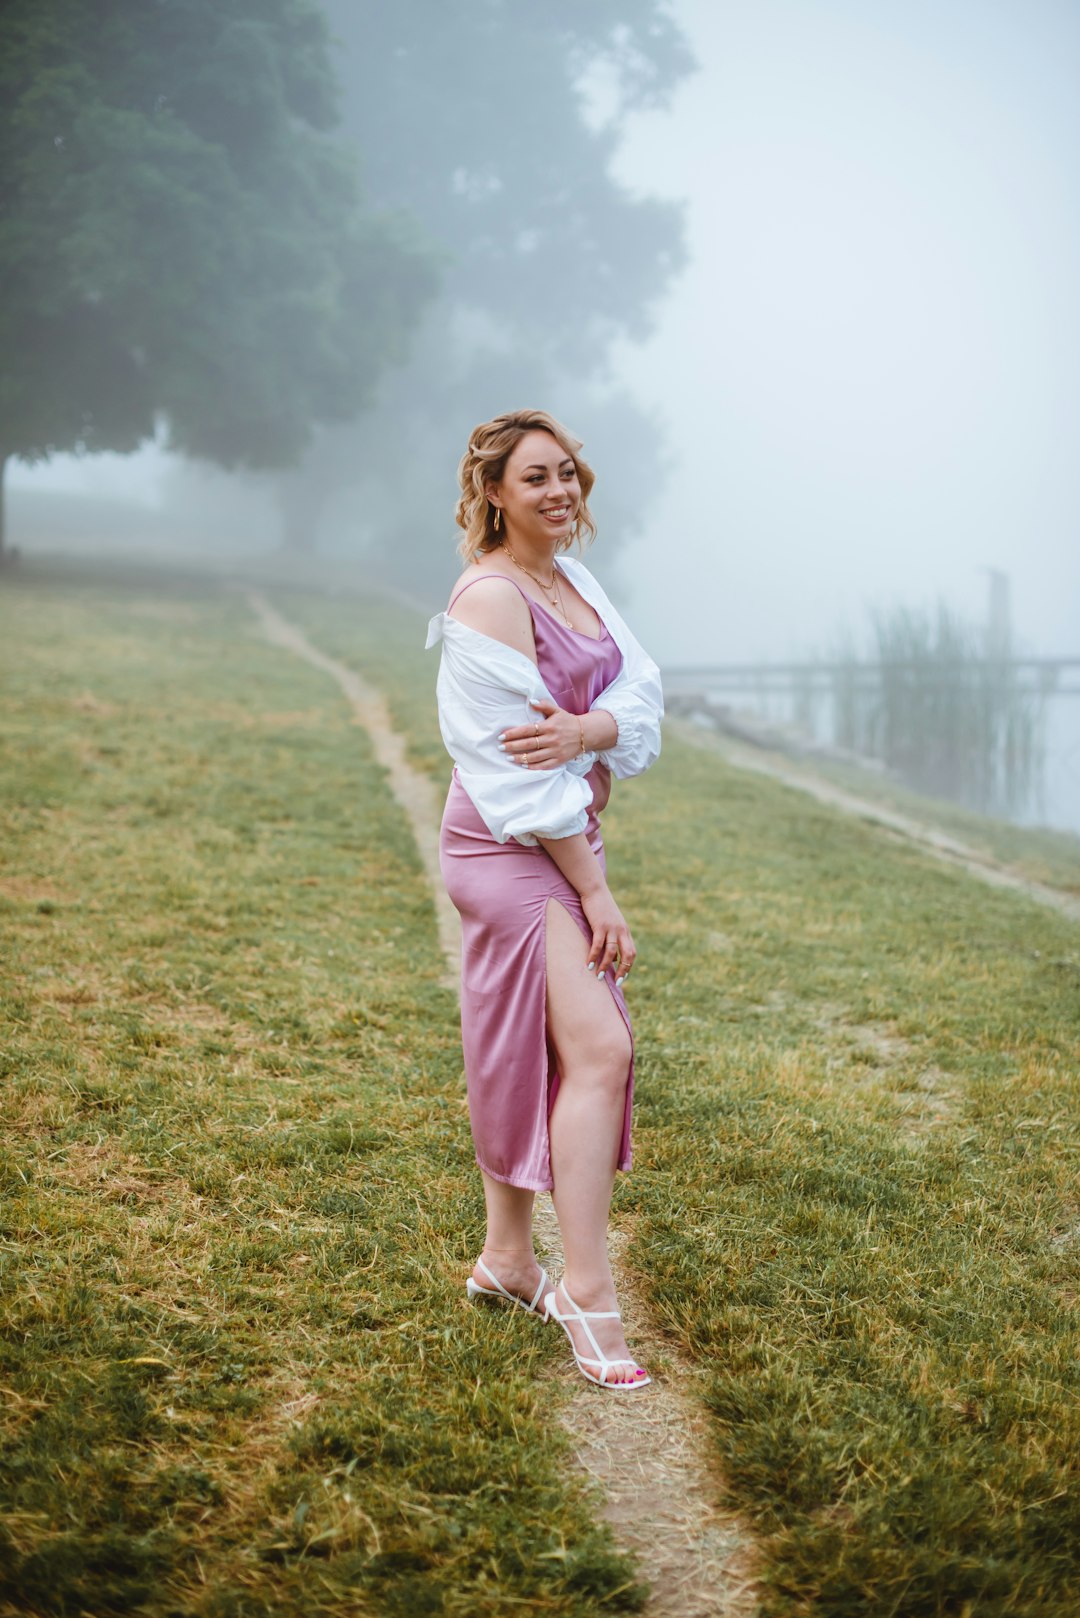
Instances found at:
x=603 y=1364
x=497 y=1291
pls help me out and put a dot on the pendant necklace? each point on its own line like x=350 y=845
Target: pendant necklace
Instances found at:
x=556 y=599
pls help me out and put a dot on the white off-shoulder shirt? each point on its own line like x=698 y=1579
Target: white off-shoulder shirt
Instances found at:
x=485 y=687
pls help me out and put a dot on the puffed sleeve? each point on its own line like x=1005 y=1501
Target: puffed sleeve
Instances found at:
x=484 y=688
x=634 y=699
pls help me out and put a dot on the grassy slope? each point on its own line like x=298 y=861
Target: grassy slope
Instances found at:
x=1038 y=852
x=238 y=1200
x=857 y=1158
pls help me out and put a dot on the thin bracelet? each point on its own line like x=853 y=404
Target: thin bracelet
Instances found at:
x=581 y=728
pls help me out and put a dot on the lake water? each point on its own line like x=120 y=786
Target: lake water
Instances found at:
x=1057 y=804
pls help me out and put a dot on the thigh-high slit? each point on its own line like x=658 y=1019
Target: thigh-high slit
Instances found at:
x=502 y=891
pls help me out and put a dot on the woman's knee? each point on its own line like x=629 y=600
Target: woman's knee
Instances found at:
x=600 y=1064
x=585 y=1026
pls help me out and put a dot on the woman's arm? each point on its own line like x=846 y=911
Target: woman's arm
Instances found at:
x=611 y=938
x=484 y=688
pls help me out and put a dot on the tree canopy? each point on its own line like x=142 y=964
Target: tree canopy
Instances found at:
x=471 y=114
x=476 y=120
x=180 y=235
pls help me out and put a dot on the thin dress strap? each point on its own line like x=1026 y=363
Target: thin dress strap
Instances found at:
x=483 y=580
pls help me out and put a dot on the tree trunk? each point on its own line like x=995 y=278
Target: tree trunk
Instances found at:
x=300 y=503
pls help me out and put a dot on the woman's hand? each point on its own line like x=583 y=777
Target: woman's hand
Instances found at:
x=611 y=938
x=553 y=739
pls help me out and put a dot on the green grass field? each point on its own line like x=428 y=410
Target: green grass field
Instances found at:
x=239 y=1200
x=238 y=1206
x=1037 y=852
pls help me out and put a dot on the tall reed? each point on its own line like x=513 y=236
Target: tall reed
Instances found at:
x=943 y=704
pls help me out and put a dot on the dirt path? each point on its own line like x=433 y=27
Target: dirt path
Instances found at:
x=647 y=1453
x=935 y=842
x=413 y=791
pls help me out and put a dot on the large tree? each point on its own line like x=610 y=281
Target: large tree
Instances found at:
x=471 y=113
x=181 y=240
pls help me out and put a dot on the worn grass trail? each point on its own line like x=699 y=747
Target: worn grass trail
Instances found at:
x=648 y=1456
x=855 y=1203
x=976 y=860
x=237 y=1202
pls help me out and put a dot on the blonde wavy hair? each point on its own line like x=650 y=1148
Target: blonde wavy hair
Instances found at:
x=484 y=462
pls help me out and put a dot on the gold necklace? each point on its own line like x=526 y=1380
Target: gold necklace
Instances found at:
x=556 y=599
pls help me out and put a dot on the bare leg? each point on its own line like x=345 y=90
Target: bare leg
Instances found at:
x=508 y=1246
x=593 y=1051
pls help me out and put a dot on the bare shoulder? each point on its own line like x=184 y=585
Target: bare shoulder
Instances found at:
x=487 y=601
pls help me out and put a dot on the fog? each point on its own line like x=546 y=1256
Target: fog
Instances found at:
x=870 y=373
x=865 y=382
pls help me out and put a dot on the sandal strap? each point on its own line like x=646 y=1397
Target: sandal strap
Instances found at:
x=584 y=1316
x=590 y=1314
x=601 y=1362
x=541 y=1289
x=494 y=1279
x=514 y=1297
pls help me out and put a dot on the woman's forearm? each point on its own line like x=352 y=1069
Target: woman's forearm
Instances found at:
x=577 y=862
x=600 y=730
x=575 y=859
x=611 y=940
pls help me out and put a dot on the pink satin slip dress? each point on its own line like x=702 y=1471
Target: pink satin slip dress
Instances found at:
x=502 y=891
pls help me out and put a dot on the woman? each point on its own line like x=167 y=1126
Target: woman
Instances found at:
x=543 y=695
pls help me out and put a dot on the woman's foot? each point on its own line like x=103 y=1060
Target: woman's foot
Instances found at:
x=604 y=1358
x=515 y=1273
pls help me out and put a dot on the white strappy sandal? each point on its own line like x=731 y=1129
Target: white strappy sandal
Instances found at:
x=497 y=1291
x=603 y=1364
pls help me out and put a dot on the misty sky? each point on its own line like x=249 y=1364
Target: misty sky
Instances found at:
x=870 y=374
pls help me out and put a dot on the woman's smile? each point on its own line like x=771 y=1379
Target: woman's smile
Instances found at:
x=540 y=488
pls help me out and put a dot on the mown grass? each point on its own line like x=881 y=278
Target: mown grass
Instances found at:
x=1037 y=852
x=860 y=1207
x=238 y=1203
x=855 y=1201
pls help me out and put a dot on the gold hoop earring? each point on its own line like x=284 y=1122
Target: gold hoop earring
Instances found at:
x=498 y=514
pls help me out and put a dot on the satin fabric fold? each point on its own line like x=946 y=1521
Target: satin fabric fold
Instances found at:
x=502 y=891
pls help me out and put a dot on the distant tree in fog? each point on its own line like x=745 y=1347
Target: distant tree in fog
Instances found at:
x=469 y=113
x=179 y=236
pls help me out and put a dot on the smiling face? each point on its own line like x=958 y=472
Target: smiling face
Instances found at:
x=540 y=491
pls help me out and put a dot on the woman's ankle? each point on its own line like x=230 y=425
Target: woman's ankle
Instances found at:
x=589 y=1290
x=524 y=1253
